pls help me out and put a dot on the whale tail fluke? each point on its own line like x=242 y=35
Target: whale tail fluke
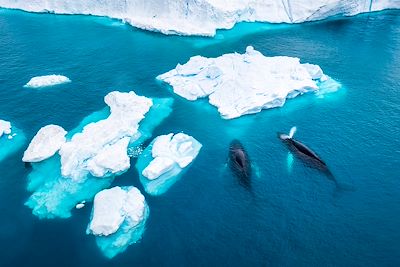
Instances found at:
x=292 y=132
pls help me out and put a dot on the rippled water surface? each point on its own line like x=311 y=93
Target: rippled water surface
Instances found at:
x=289 y=214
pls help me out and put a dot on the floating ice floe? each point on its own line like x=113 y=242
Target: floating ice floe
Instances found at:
x=162 y=162
x=101 y=148
x=94 y=152
x=240 y=84
x=46 y=81
x=5 y=128
x=11 y=139
x=203 y=17
x=45 y=143
x=118 y=219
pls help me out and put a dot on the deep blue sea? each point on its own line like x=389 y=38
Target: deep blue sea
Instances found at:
x=289 y=216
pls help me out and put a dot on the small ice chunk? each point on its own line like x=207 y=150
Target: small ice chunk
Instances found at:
x=79 y=206
x=113 y=206
x=5 y=127
x=45 y=143
x=46 y=81
x=169 y=149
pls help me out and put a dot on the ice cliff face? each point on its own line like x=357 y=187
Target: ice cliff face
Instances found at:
x=203 y=17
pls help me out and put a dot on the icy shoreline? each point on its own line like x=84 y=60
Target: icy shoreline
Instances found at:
x=203 y=17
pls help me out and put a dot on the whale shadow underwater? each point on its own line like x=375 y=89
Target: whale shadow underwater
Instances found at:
x=305 y=154
x=239 y=163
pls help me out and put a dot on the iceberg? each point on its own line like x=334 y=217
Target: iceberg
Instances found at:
x=5 y=128
x=11 y=139
x=93 y=154
x=46 y=81
x=118 y=219
x=240 y=84
x=45 y=143
x=101 y=148
x=203 y=17
x=162 y=162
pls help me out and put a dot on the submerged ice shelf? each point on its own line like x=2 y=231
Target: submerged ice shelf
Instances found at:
x=11 y=139
x=90 y=162
x=240 y=84
x=162 y=162
x=118 y=219
x=203 y=17
x=47 y=81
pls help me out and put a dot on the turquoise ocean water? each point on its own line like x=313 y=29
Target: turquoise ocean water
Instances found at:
x=291 y=215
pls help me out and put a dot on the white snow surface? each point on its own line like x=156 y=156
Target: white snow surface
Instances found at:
x=46 y=81
x=168 y=150
x=203 y=17
x=45 y=143
x=101 y=148
x=239 y=84
x=114 y=206
x=5 y=127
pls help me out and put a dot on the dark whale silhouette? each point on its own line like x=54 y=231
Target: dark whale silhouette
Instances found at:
x=239 y=163
x=308 y=156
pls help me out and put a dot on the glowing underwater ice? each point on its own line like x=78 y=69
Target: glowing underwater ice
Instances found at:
x=118 y=219
x=54 y=195
x=11 y=139
x=164 y=161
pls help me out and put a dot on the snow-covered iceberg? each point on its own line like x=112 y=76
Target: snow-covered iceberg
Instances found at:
x=203 y=17
x=101 y=148
x=5 y=128
x=11 y=139
x=45 y=143
x=162 y=162
x=94 y=152
x=239 y=84
x=118 y=219
x=46 y=81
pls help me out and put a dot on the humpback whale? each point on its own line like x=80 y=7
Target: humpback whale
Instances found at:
x=239 y=163
x=304 y=153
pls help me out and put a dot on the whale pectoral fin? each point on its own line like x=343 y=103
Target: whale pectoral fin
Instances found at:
x=290 y=160
x=223 y=169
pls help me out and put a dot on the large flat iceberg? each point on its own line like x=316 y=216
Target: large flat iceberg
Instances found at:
x=161 y=163
x=203 y=17
x=93 y=153
x=239 y=84
x=46 y=81
x=11 y=139
x=118 y=219
x=45 y=143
